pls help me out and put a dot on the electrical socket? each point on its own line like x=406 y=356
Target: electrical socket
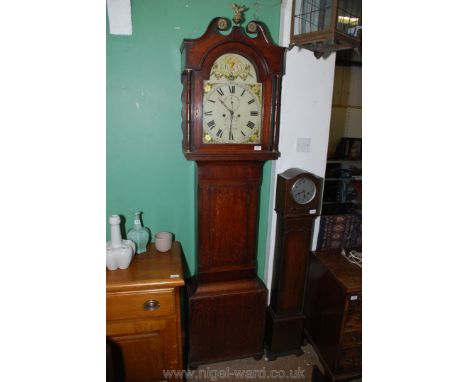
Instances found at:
x=303 y=145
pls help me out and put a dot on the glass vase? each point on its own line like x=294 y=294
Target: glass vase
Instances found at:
x=139 y=234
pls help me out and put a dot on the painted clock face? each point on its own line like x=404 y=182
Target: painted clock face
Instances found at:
x=232 y=103
x=303 y=190
x=231 y=114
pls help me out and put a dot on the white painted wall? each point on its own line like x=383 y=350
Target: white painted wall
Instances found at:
x=305 y=113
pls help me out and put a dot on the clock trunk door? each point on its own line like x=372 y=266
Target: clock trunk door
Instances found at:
x=228 y=212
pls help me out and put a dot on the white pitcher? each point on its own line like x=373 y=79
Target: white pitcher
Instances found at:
x=119 y=252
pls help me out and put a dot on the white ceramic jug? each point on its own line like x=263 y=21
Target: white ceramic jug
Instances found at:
x=119 y=252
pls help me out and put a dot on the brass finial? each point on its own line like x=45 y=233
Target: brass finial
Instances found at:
x=238 y=13
x=222 y=24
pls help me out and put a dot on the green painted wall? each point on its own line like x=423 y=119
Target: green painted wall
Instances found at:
x=146 y=169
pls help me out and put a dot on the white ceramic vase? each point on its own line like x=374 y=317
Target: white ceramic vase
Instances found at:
x=119 y=252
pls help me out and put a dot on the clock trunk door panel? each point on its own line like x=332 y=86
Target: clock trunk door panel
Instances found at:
x=228 y=212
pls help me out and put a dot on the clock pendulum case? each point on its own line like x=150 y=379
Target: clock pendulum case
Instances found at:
x=298 y=199
x=230 y=122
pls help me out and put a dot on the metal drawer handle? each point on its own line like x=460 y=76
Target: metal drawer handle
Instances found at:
x=151 y=305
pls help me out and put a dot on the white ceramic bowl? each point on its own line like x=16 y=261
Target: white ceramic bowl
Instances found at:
x=163 y=241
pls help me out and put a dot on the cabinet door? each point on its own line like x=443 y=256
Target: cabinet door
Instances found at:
x=142 y=355
x=145 y=348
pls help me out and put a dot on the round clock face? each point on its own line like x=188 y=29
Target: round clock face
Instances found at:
x=303 y=190
x=231 y=113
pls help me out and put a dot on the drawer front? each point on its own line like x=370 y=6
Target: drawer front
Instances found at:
x=351 y=340
x=354 y=301
x=349 y=360
x=145 y=304
x=353 y=321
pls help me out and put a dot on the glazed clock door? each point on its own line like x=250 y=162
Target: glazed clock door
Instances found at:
x=303 y=191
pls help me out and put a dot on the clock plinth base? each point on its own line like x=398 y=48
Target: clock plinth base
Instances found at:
x=226 y=320
x=283 y=334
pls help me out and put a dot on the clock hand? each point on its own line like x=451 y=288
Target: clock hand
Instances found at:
x=230 y=126
x=222 y=103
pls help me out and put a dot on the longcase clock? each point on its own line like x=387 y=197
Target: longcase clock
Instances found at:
x=298 y=199
x=230 y=122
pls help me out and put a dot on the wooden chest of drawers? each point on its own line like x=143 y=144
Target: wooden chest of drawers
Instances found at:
x=143 y=316
x=333 y=312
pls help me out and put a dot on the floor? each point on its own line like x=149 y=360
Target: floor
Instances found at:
x=248 y=369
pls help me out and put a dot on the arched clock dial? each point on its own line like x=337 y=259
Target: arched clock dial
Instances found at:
x=231 y=113
x=303 y=190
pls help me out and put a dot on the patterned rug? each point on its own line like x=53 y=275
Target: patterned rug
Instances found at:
x=248 y=369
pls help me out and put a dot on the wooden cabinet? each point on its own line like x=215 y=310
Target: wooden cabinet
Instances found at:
x=334 y=313
x=143 y=316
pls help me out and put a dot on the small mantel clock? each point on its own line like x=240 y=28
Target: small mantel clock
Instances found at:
x=230 y=122
x=298 y=199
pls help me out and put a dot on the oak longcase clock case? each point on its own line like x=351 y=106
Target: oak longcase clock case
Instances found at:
x=298 y=200
x=230 y=121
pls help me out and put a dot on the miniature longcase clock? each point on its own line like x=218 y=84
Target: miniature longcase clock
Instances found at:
x=230 y=122
x=298 y=199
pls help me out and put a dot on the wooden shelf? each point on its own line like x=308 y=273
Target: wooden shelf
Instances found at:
x=345 y=179
x=347 y=106
x=344 y=161
x=350 y=202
